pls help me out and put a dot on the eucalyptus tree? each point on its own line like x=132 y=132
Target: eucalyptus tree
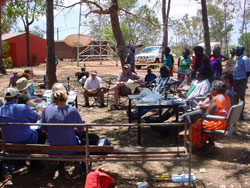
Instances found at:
x=28 y=12
x=2 y=69
x=220 y=15
x=205 y=27
x=50 y=66
x=165 y=20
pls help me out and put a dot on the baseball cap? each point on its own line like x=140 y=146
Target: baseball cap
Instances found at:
x=242 y=48
x=94 y=72
x=132 y=48
x=10 y=92
x=128 y=66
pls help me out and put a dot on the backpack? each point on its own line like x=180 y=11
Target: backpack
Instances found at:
x=98 y=179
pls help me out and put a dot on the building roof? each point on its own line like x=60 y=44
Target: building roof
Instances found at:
x=10 y=35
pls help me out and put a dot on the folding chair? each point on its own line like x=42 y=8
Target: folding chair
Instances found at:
x=231 y=119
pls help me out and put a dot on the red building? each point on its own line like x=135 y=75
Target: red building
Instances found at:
x=17 y=42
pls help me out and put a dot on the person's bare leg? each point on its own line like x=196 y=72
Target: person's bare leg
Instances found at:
x=116 y=96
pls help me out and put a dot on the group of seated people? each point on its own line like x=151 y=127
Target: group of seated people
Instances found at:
x=197 y=82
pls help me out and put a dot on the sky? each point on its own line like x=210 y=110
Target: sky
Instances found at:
x=66 y=22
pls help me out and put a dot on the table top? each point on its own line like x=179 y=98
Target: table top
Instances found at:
x=169 y=102
x=47 y=98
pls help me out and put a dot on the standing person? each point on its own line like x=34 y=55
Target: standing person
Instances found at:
x=215 y=63
x=120 y=89
x=168 y=60
x=231 y=61
x=130 y=59
x=59 y=112
x=11 y=112
x=241 y=72
x=93 y=86
x=13 y=79
x=202 y=62
x=184 y=63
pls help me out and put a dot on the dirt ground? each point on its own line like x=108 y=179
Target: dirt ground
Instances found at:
x=227 y=165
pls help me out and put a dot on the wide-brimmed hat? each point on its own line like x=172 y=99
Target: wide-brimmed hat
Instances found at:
x=23 y=83
x=10 y=92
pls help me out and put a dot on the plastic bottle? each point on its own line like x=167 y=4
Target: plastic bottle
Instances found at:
x=143 y=185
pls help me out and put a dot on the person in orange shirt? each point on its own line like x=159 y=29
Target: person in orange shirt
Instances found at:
x=219 y=105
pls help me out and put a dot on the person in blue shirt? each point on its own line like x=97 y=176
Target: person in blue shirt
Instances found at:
x=241 y=72
x=11 y=112
x=130 y=59
x=149 y=76
x=59 y=112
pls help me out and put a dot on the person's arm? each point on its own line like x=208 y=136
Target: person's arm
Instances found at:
x=172 y=60
x=178 y=62
x=211 y=108
x=219 y=66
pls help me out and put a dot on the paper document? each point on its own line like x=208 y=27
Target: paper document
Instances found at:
x=131 y=85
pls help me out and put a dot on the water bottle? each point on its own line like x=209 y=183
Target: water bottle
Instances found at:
x=143 y=185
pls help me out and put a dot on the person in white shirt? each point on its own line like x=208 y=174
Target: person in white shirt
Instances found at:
x=93 y=87
x=202 y=85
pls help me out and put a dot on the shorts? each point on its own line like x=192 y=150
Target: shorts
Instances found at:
x=124 y=91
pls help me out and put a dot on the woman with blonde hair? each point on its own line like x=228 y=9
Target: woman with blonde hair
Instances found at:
x=60 y=112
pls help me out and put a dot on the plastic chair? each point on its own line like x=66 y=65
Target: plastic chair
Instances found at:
x=231 y=119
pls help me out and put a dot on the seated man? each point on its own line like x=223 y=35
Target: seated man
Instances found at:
x=120 y=89
x=12 y=112
x=93 y=86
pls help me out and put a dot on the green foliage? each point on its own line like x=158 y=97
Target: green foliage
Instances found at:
x=144 y=26
x=5 y=48
x=26 y=10
x=7 y=62
x=37 y=31
x=7 y=23
x=246 y=42
x=187 y=31
x=140 y=25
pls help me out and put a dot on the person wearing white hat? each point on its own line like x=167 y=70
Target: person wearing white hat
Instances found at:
x=93 y=87
x=11 y=112
x=22 y=86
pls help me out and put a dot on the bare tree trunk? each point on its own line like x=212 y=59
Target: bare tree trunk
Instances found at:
x=246 y=44
x=121 y=45
x=2 y=69
x=50 y=66
x=165 y=18
x=205 y=27
x=243 y=22
x=27 y=35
